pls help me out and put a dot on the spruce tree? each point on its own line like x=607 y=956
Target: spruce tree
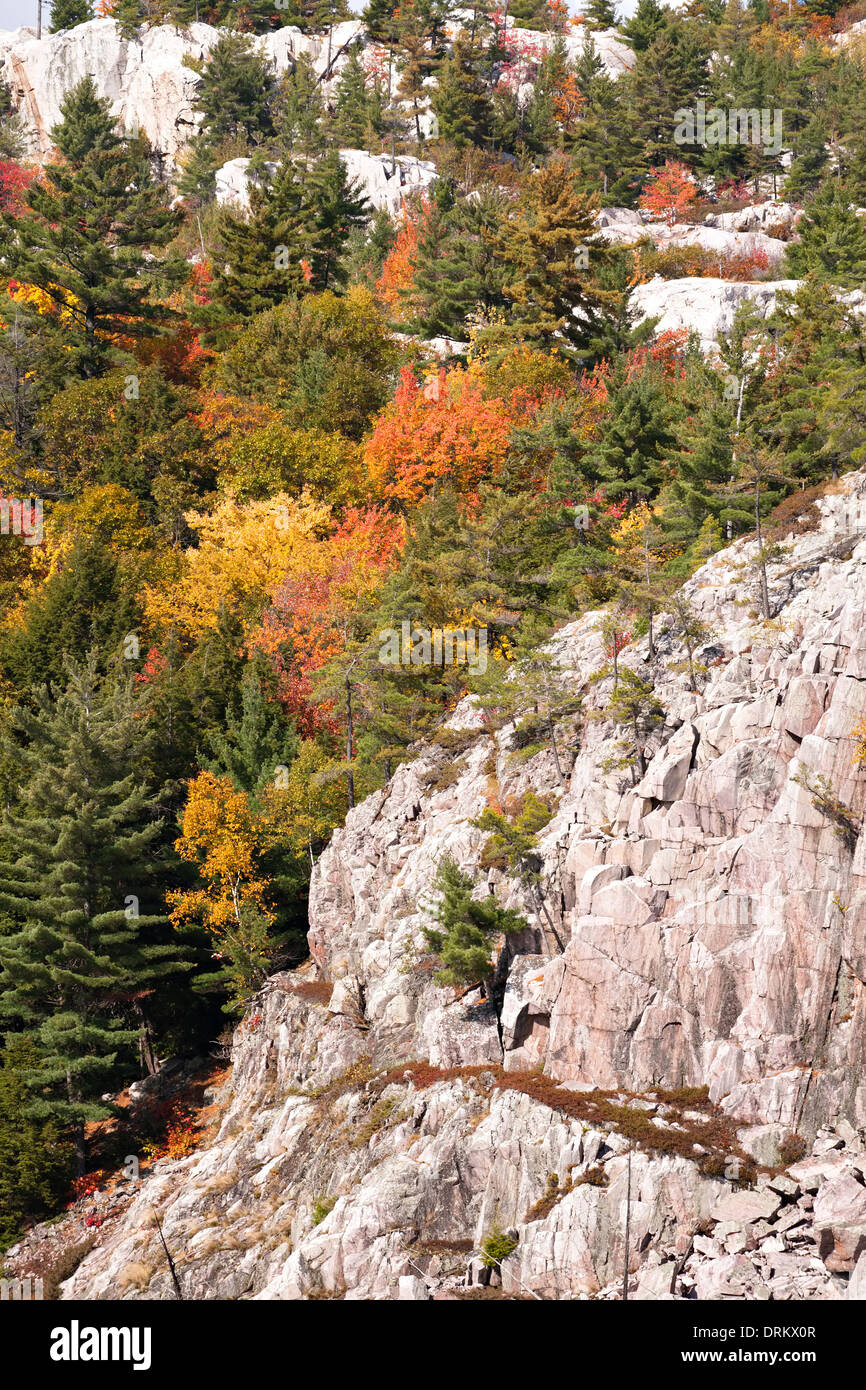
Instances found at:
x=83 y=958
x=87 y=124
x=66 y=14
x=87 y=238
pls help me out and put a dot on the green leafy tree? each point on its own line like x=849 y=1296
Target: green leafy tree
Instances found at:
x=12 y=140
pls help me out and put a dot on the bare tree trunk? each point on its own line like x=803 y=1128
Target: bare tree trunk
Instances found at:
x=627 y=1230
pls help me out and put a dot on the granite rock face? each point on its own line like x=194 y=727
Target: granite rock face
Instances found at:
x=703 y=924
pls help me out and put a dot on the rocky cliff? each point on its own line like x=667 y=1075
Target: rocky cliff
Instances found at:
x=701 y=927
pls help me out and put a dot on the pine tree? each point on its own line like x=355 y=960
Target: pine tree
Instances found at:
x=461 y=101
x=12 y=138
x=457 y=272
x=550 y=250
x=87 y=239
x=466 y=930
x=670 y=74
x=254 y=741
x=35 y=1164
x=66 y=14
x=299 y=112
x=87 y=124
x=355 y=107
x=647 y=22
x=635 y=438
x=82 y=960
x=236 y=91
x=602 y=140
x=601 y=14
x=635 y=705
x=338 y=207
x=831 y=240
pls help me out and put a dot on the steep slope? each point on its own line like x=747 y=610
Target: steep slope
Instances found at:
x=706 y=928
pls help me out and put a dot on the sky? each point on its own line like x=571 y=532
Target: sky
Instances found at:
x=15 y=12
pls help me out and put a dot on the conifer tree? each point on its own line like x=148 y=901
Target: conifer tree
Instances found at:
x=647 y=22
x=82 y=960
x=299 y=112
x=831 y=240
x=66 y=14
x=35 y=1164
x=357 y=109
x=254 y=741
x=466 y=930
x=12 y=141
x=601 y=14
x=337 y=208
x=634 y=704
x=461 y=101
x=264 y=254
x=552 y=254
x=87 y=238
x=236 y=91
x=87 y=124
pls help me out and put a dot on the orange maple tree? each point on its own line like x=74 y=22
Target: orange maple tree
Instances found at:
x=450 y=434
x=669 y=191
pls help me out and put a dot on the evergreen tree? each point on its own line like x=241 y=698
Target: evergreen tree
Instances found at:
x=87 y=238
x=79 y=966
x=601 y=14
x=635 y=438
x=552 y=255
x=299 y=112
x=337 y=207
x=236 y=91
x=254 y=741
x=634 y=705
x=602 y=140
x=461 y=101
x=647 y=22
x=466 y=930
x=12 y=139
x=35 y=1164
x=264 y=254
x=66 y=14
x=457 y=272
x=87 y=124
x=356 y=108
x=831 y=241
x=670 y=74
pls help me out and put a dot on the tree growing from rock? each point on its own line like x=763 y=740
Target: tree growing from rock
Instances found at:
x=466 y=931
